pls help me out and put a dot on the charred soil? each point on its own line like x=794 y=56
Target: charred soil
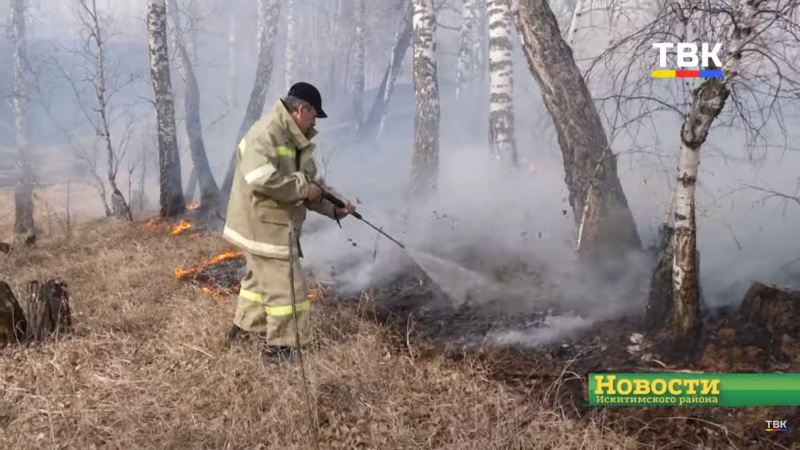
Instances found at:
x=556 y=374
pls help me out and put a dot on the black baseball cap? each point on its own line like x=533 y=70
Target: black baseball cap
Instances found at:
x=307 y=92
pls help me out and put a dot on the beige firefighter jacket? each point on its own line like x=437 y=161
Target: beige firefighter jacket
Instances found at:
x=275 y=165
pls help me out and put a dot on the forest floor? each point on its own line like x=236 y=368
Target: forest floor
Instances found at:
x=147 y=366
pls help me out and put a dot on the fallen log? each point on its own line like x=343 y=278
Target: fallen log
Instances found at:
x=768 y=311
x=48 y=309
x=12 y=320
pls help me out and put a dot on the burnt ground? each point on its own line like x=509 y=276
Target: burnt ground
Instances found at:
x=556 y=373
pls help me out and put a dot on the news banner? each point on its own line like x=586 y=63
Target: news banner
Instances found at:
x=697 y=389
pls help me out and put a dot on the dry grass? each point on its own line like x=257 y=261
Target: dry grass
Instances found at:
x=147 y=367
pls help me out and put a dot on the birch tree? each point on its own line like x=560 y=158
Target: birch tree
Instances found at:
x=172 y=202
x=193 y=123
x=465 y=47
x=479 y=27
x=577 y=15
x=600 y=209
x=23 y=191
x=709 y=100
x=90 y=21
x=358 y=63
x=291 y=43
x=425 y=160
x=380 y=107
x=268 y=16
x=760 y=77
x=502 y=142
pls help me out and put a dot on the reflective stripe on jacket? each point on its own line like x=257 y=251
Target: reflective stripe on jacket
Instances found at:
x=274 y=167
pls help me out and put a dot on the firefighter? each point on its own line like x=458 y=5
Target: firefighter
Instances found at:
x=275 y=184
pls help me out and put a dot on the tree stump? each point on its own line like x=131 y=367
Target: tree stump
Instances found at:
x=769 y=312
x=48 y=309
x=12 y=320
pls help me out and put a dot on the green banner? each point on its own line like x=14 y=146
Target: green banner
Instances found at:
x=694 y=389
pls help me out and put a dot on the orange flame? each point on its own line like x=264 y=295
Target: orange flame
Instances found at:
x=181 y=227
x=193 y=207
x=154 y=222
x=210 y=289
x=223 y=256
x=318 y=292
x=315 y=293
x=179 y=273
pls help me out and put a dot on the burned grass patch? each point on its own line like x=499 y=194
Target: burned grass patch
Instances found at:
x=555 y=375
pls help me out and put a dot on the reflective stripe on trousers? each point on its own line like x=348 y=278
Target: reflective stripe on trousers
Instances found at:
x=274 y=310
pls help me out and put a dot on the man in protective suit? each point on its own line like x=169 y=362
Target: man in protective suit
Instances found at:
x=275 y=183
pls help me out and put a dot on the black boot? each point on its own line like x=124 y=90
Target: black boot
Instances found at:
x=234 y=335
x=237 y=335
x=281 y=353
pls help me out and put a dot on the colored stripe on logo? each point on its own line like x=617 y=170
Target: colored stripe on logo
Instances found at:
x=687 y=74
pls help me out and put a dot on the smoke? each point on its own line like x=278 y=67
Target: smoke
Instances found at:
x=513 y=227
x=554 y=328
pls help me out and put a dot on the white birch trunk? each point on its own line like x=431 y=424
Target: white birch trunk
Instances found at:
x=502 y=141
x=358 y=64
x=577 y=15
x=190 y=42
x=684 y=10
x=23 y=191
x=465 y=48
x=425 y=161
x=706 y=106
x=289 y=56
x=479 y=28
x=684 y=17
x=172 y=201
x=334 y=54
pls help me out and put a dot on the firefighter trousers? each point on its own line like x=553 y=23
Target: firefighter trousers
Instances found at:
x=265 y=302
